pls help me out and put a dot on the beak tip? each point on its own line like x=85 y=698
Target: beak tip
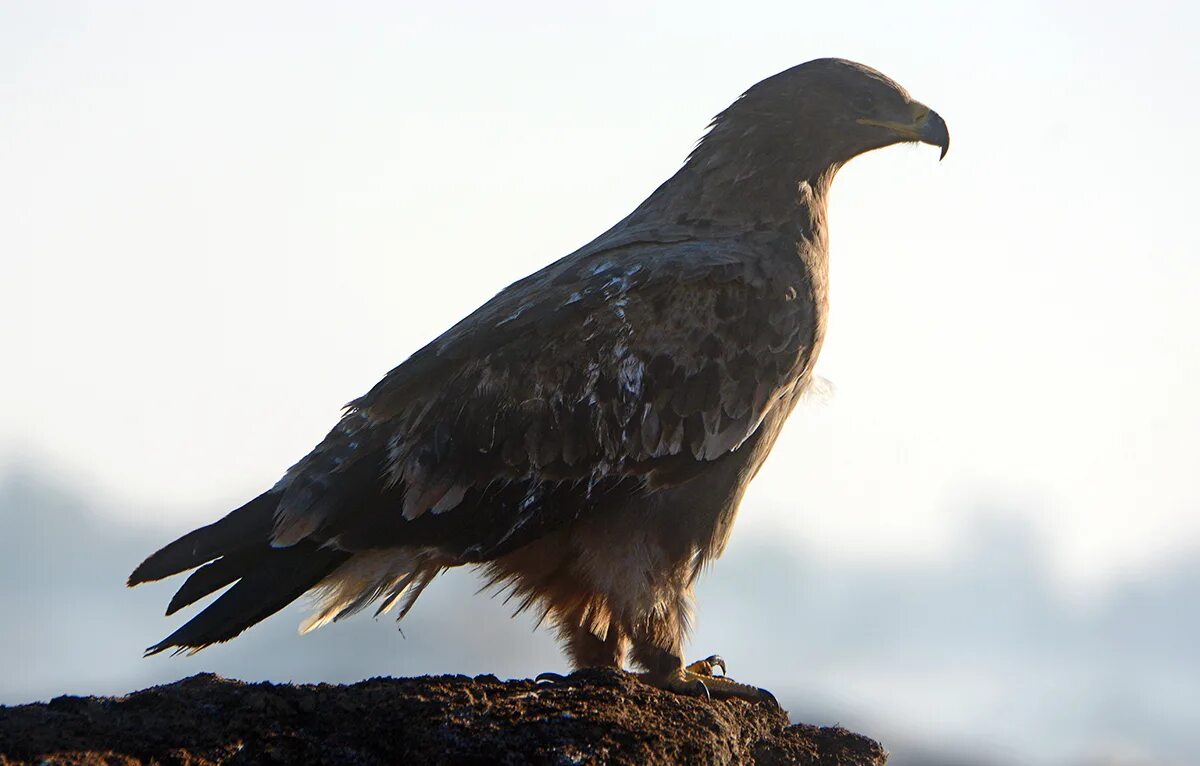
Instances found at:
x=935 y=132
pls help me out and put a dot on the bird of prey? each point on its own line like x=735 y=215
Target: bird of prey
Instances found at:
x=585 y=437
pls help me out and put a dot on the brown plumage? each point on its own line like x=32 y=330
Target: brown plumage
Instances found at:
x=584 y=437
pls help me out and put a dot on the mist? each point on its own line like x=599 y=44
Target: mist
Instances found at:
x=976 y=657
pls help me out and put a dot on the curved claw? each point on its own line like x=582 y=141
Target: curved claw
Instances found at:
x=555 y=678
x=769 y=698
x=723 y=687
x=706 y=666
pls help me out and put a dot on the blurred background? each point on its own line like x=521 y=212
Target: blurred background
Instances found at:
x=219 y=222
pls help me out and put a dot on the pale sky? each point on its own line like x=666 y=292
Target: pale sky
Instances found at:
x=221 y=221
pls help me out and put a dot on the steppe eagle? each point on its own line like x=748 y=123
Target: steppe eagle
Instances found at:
x=585 y=437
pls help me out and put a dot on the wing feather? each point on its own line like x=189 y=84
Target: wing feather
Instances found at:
x=632 y=366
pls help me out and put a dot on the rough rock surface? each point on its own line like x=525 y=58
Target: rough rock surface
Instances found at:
x=601 y=717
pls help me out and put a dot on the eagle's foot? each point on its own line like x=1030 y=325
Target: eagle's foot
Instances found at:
x=697 y=680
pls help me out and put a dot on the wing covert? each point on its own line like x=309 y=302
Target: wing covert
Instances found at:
x=635 y=365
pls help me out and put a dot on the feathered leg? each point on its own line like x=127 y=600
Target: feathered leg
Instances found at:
x=587 y=650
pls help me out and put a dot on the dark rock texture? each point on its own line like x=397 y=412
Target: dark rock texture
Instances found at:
x=601 y=717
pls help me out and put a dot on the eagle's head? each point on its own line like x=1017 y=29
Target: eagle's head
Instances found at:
x=822 y=113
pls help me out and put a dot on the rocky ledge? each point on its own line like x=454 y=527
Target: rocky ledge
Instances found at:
x=600 y=717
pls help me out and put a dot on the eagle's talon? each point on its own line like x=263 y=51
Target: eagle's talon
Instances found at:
x=706 y=666
x=723 y=687
x=553 y=678
x=769 y=698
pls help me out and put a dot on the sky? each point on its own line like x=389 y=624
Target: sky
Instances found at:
x=219 y=222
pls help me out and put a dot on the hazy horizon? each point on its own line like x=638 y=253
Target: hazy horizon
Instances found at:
x=979 y=653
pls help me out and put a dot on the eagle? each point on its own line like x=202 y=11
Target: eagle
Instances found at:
x=585 y=437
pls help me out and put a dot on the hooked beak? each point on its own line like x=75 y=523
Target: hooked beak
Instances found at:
x=926 y=126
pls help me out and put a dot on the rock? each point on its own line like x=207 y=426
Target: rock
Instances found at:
x=594 y=716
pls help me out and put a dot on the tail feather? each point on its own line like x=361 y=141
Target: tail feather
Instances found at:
x=212 y=577
x=273 y=580
x=248 y=526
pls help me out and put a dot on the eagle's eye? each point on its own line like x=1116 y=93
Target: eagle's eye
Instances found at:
x=863 y=103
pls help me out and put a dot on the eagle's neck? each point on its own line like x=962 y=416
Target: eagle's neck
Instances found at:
x=741 y=185
x=725 y=189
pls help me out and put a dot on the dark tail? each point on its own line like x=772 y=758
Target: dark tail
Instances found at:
x=236 y=548
x=266 y=583
x=247 y=527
